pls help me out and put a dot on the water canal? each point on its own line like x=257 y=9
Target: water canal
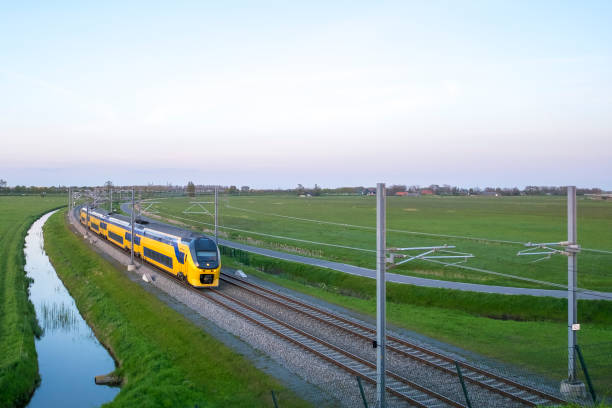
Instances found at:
x=69 y=355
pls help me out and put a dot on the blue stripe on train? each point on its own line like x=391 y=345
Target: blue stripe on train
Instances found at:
x=180 y=257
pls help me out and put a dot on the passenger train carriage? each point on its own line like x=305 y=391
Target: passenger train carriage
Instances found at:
x=192 y=258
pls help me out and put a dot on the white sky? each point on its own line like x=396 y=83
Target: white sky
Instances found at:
x=267 y=94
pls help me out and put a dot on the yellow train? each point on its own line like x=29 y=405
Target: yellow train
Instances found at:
x=192 y=258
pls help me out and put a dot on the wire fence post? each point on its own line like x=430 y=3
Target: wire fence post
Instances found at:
x=381 y=259
x=274 y=399
x=465 y=392
x=363 y=397
x=586 y=374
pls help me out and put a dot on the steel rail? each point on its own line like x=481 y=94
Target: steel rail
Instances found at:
x=330 y=346
x=392 y=390
x=393 y=375
x=467 y=376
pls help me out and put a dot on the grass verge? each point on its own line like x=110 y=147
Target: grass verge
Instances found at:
x=494 y=306
x=18 y=325
x=164 y=360
x=526 y=331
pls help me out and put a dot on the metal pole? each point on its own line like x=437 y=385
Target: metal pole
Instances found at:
x=111 y=200
x=132 y=225
x=69 y=200
x=572 y=270
x=380 y=294
x=216 y=212
x=87 y=222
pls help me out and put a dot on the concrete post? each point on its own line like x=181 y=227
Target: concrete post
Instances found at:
x=87 y=222
x=380 y=294
x=572 y=270
x=216 y=212
x=572 y=387
x=131 y=266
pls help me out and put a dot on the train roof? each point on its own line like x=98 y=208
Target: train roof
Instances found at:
x=150 y=226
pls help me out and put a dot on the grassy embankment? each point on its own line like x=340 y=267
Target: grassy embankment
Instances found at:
x=525 y=331
x=521 y=219
x=18 y=326
x=164 y=360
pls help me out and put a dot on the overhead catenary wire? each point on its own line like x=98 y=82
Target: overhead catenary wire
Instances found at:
x=273 y=236
x=428 y=234
x=506 y=275
x=475 y=269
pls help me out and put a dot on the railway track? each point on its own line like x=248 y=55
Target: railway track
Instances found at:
x=504 y=387
x=397 y=385
x=402 y=388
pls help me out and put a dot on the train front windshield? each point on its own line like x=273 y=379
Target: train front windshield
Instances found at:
x=204 y=251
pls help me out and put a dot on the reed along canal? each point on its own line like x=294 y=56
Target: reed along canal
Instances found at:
x=69 y=354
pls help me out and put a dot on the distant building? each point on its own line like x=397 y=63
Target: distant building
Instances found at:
x=407 y=194
x=427 y=192
x=490 y=193
x=603 y=196
x=371 y=191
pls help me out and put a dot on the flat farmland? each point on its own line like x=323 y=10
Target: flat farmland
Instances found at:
x=18 y=325
x=493 y=229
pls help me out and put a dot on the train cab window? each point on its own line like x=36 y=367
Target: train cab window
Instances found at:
x=204 y=252
x=206 y=256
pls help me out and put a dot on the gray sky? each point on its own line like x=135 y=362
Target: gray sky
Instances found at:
x=271 y=94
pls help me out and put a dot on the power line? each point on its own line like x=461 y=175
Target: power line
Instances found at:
x=273 y=236
x=545 y=283
x=506 y=275
x=430 y=234
x=471 y=268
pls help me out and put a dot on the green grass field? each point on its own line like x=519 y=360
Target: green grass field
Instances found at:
x=520 y=219
x=18 y=326
x=165 y=360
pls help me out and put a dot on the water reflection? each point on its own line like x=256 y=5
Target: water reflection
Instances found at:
x=69 y=354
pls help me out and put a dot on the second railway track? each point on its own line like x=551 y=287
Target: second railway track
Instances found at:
x=506 y=391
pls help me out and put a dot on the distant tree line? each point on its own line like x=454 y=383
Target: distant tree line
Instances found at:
x=192 y=189
x=4 y=189
x=435 y=189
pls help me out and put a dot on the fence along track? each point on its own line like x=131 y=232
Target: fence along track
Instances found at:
x=400 y=387
x=482 y=378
